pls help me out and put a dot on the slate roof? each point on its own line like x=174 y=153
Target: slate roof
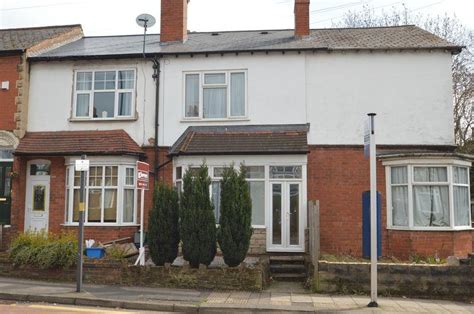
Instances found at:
x=399 y=37
x=242 y=139
x=67 y=143
x=22 y=38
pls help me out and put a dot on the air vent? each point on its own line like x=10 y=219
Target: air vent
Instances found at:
x=264 y=33
x=215 y=34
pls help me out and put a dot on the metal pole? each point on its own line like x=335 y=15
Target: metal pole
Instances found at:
x=142 y=248
x=373 y=215
x=80 y=239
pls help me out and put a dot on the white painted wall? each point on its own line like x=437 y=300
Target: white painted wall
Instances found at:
x=51 y=97
x=409 y=91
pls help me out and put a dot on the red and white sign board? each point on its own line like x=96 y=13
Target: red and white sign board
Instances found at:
x=143 y=175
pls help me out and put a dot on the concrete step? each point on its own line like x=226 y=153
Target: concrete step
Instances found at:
x=286 y=259
x=288 y=268
x=289 y=277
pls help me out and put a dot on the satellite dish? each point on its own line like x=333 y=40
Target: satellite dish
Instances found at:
x=146 y=20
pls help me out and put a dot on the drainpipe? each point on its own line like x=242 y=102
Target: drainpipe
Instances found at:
x=156 y=77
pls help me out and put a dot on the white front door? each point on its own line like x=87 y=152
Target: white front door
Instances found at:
x=37 y=203
x=286 y=232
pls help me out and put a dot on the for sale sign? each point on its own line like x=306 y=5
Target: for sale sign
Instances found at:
x=143 y=175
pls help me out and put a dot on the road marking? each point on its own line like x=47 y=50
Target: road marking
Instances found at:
x=72 y=309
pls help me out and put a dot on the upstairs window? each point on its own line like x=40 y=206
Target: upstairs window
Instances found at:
x=215 y=95
x=104 y=94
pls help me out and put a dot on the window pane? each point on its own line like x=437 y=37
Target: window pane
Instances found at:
x=218 y=172
x=130 y=176
x=6 y=153
x=179 y=173
x=255 y=172
x=39 y=197
x=277 y=214
x=399 y=175
x=75 y=205
x=104 y=105
x=431 y=174
x=192 y=95
x=82 y=105
x=431 y=206
x=460 y=175
x=40 y=169
x=77 y=178
x=237 y=94
x=216 y=199
x=67 y=205
x=110 y=205
x=399 y=205
x=8 y=182
x=285 y=172
x=215 y=102
x=94 y=205
x=126 y=79
x=257 y=194
x=104 y=80
x=84 y=81
x=294 y=214
x=125 y=104
x=214 y=78
x=95 y=176
x=461 y=206
x=111 y=174
x=128 y=202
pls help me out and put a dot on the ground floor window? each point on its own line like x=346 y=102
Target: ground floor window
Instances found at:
x=110 y=194
x=428 y=196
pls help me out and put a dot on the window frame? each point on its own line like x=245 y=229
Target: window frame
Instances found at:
x=203 y=85
x=411 y=164
x=120 y=187
x=92 y=92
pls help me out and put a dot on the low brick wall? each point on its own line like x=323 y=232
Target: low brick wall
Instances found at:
x=440 y=281
x=116 y=272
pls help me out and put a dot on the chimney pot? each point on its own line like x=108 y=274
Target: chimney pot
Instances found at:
x=174 y=20
x=302 y=18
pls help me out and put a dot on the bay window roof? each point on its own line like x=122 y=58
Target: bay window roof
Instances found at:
x=70 y=143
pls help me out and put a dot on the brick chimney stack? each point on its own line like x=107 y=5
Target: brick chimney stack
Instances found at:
x=302 y=18
x=174 y=20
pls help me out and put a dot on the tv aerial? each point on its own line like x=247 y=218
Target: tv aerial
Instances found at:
x=145 y=20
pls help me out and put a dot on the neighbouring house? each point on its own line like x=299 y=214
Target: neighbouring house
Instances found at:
x=16 y=45
x=289 y=104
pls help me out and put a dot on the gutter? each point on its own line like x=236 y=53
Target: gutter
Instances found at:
x=12 y=52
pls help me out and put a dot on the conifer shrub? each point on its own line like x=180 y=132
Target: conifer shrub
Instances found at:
x=197 y=220
x=163 y=231
x=235 y=226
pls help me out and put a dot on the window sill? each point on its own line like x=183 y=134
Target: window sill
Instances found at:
x=428 y=229
x=104 y=120
x=114 y=225
x=199 y=120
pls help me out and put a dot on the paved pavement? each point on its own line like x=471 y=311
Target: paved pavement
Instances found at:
x=186 y=300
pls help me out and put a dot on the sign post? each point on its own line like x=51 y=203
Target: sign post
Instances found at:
x=143 y=174
x=370 y=151
x=82 y=165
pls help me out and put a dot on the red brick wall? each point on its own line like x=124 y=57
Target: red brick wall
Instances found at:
x=8 y=72
x=174 y=15
x=337 y=176
x=302 y=18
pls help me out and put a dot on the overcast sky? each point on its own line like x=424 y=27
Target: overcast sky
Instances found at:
x=110 y=17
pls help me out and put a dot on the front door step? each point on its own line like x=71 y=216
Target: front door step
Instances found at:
x=288 y=268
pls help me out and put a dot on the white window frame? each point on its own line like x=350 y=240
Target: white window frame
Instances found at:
x=202 y=85
x=414 y=163
x=122 y=166
x=91 y=93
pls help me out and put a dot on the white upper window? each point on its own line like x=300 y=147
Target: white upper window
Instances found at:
x=215 y=95
x=428 y=197
x=104 y=94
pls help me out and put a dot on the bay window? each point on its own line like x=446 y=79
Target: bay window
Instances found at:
x=215 y=95
x=110 y=195
x=428 y=196
x=104 y=94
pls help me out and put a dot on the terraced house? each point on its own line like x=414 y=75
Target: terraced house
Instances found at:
x=289 y=104
x=16 y=45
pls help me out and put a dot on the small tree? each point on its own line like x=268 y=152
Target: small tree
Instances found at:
x=235 y=227
x=197 y=221
x=163 y=233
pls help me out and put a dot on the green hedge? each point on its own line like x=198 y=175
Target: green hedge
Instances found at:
x=44 y=250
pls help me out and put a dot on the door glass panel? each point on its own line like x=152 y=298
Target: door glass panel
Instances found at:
x=285 y=172
x=8 y=181
x=39 y=197
x=39 y=169
x=294 y=213
x=1 y=182
x=276 y=214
